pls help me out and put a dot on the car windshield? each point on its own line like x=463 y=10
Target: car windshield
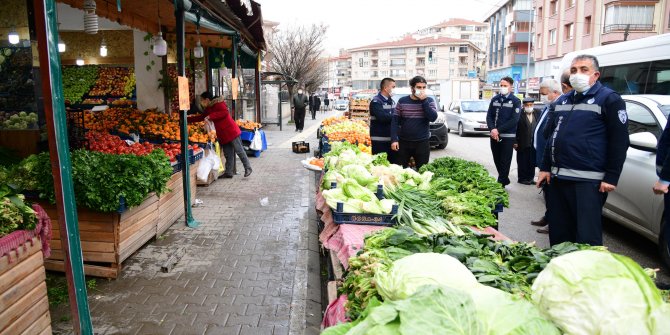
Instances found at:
x=665 y=109
x=475 y=106
x=341 y=102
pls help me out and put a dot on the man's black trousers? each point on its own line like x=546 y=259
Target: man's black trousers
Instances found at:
x=502 y=157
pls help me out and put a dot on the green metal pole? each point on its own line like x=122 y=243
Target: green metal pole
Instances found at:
x=181 y=69
x=234 y=75
x=61 y=165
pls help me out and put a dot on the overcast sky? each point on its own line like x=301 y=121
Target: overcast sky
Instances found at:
x=354 y=23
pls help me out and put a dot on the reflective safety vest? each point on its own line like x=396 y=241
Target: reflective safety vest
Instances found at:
x=503 y=114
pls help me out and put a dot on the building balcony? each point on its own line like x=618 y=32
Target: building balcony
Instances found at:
x=630 y=27
x=520 y=59
x=523 y=15
x=521 y=37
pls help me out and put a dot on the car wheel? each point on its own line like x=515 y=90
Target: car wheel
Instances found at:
x=442 y=145
x=664 y=244
x=460 y=130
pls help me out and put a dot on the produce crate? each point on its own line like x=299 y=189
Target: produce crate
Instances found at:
x=195 y=156
x=359 y=105
x=176 y=167
x=387 y=220
x=107 y=239
x=24 y=306
x=300 y=147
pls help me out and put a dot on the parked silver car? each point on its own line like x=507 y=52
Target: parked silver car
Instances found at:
x=468 y=116
x=633 y=204
x=341 y=105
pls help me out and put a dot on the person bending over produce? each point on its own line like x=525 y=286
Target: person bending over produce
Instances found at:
x=227 y=131
x=410 y=124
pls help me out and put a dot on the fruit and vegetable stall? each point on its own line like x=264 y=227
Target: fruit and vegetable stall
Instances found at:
x=24 y=241
x=416 y=252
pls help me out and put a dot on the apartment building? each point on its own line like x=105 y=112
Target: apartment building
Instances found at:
x=463 y=29
x=563 y=26
x=408 y=57
x=508 y=41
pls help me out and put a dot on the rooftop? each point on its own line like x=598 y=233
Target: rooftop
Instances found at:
x=408 y=40
x=454 y=22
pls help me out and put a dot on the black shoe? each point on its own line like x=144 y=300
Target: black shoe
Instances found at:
x=247 y=172
x=540 y=223
x=543 y=230
x=227 y=176
x=526 y=182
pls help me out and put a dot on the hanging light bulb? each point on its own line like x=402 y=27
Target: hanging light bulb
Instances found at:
x=13 y=36
x=160 y=45
x=79 y=61
x=198 y=51
x=103 y=48
x=61 y=44
x=90 y=18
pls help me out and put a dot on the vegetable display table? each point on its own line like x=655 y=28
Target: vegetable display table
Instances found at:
x=24 y=306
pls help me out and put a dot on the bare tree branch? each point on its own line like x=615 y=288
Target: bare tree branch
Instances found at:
x=298 y=53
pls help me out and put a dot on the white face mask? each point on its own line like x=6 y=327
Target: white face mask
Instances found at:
x=392 y=93
x=417 y=93
x=504 y=90
x=580 y=82
x=528 y=109
x=544 y=98
x=299 y=91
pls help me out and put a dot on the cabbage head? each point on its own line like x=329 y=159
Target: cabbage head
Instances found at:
x=406 y=275
x=360 y=174
x=598 y=292
x=504 y=314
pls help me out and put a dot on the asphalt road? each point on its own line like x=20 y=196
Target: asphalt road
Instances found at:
x=526 y=204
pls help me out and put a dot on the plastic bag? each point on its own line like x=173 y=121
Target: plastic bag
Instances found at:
x=209 y=126
x=217 y=149
x=257 y=141
x=202 y=174
x=214 y=159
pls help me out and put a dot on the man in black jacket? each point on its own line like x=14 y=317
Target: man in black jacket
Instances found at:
x=525 y=152
x=584 y=156
x=661 y=186
x=502 y=119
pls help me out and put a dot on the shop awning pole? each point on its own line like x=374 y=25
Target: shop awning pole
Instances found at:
x=181 y=69
x=61 y=165
x=234 y=74
x=257 y=87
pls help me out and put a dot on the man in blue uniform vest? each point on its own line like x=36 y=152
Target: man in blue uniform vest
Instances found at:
x=584 y=155
x=381 y=114
x=502 y=119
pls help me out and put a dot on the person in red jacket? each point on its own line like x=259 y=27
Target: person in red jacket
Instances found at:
x=227 y=131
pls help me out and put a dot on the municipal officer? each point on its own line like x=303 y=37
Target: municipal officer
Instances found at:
x=502 y=119
x=381 y=113
x=584 y=155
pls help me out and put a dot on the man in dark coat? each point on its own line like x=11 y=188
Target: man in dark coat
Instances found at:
x=525 y=152
x=317 y=105
x=299 y=105
x=326 y=102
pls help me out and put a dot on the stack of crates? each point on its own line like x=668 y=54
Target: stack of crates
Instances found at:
x=359 y=110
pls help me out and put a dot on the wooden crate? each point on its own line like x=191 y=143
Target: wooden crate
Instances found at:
x=171 y=204
x=360 y=104
x=24 y=307
x=107 y=239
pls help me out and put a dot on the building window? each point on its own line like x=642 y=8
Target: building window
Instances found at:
x=434 y=60
x=421 y=50
x=452 y=49
x=396 y=73
x=432 y=73
x=539 y=41
x=552 y=37
x=569 y=3
x=553 y=7
x=465 y=37
x=539 y=13
x=385 y=63
x=366 y=54
x=397 y=62
x=463 y=49
x=587 y=25
x=633 y=18
x=569 y=31
x=420 y=62
x=397 y=51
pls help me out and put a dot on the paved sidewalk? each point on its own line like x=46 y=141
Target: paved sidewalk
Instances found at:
x=251 y=267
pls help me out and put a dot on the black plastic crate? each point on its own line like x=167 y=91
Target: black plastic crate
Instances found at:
x=194 y=157
x=300 y=147
x=176 y=167
x=387 y=220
